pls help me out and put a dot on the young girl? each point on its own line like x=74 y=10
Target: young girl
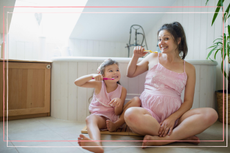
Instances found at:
x=107 y=103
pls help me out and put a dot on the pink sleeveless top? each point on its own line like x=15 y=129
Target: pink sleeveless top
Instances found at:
x=100 y=102
x=162 y=93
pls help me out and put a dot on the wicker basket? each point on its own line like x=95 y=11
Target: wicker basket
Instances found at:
x=219 y=97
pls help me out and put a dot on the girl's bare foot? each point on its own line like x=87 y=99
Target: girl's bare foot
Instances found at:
x=89 y=144
x=110 y=126
x=155 y=141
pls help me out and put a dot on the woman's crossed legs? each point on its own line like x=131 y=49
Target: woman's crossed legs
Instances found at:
x=191 y=123
x=141 y=121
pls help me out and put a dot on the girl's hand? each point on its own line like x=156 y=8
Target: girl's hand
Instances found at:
x=166 y=127
x=139 y=51
x=115 y=102
x=98 y=77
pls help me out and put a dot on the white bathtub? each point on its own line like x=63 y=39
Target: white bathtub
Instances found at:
x=70 y=102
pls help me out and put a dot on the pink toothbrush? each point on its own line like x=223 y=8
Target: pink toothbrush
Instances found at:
x=107 y=78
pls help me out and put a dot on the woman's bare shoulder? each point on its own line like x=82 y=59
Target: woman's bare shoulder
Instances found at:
x=152 y=56
x=148 y=58
x=189 y=68
x=151 y=60
x=189 y=65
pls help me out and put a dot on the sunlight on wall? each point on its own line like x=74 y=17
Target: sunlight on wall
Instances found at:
x=40 y=29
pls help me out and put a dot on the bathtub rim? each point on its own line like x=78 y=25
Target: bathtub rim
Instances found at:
x=123 y=59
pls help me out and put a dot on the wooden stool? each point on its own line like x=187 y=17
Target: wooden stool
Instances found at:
x=120 y=131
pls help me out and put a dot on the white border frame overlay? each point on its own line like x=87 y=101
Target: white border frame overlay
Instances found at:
x=5 y=43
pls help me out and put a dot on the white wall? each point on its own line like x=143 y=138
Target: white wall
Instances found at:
x=40 y=49
x=199 y=32
x=92 y=48
x=1 y=37
x=197 y=26
x=1 y=43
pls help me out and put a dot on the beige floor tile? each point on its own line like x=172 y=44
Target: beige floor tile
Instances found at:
x=45 y=138
x=54 y=123
x=18 y=126
x=69 y=132
x=4 y=148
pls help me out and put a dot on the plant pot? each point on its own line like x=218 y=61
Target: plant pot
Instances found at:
x=220 y=102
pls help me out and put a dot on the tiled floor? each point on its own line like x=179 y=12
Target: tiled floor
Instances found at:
x=60 y=136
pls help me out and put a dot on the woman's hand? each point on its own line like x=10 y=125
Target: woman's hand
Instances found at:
x=139 y=51
x=97 y=77
x=115 y=102
x=166 y=127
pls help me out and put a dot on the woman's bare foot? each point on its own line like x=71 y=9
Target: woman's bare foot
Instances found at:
x=89 y=144
x=193 y=139
x=110 y=126
x=153 y=141
x=159 y=141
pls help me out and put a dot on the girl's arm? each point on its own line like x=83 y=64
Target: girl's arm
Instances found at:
x=135 y=69
x=87 y=82
x=188 y=100
x=118 y=110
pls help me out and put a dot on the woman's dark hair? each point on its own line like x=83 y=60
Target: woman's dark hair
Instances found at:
x=177 y=31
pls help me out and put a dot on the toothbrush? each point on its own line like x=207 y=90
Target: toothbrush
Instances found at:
x=150 y=51
x=107 y=78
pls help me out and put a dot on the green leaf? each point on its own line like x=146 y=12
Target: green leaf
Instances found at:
x=226 y=12
x=224 y=52
x=216 y=53
x=209 y=54
x=224 y=46
x=215 y=15
x=228 y=31
x=225 y=75
x=219 y=4
x=206 y=2
x=225 y=17
x=211 y=46
x=221 y=51
x=220 y=38
x=228 y=50
x=211 y=60
x=228 y=38
x=218 y=43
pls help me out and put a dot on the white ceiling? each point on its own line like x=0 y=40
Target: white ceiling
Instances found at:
x=116 y=26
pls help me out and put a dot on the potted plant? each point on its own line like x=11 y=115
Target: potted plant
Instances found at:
x=221 y=45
